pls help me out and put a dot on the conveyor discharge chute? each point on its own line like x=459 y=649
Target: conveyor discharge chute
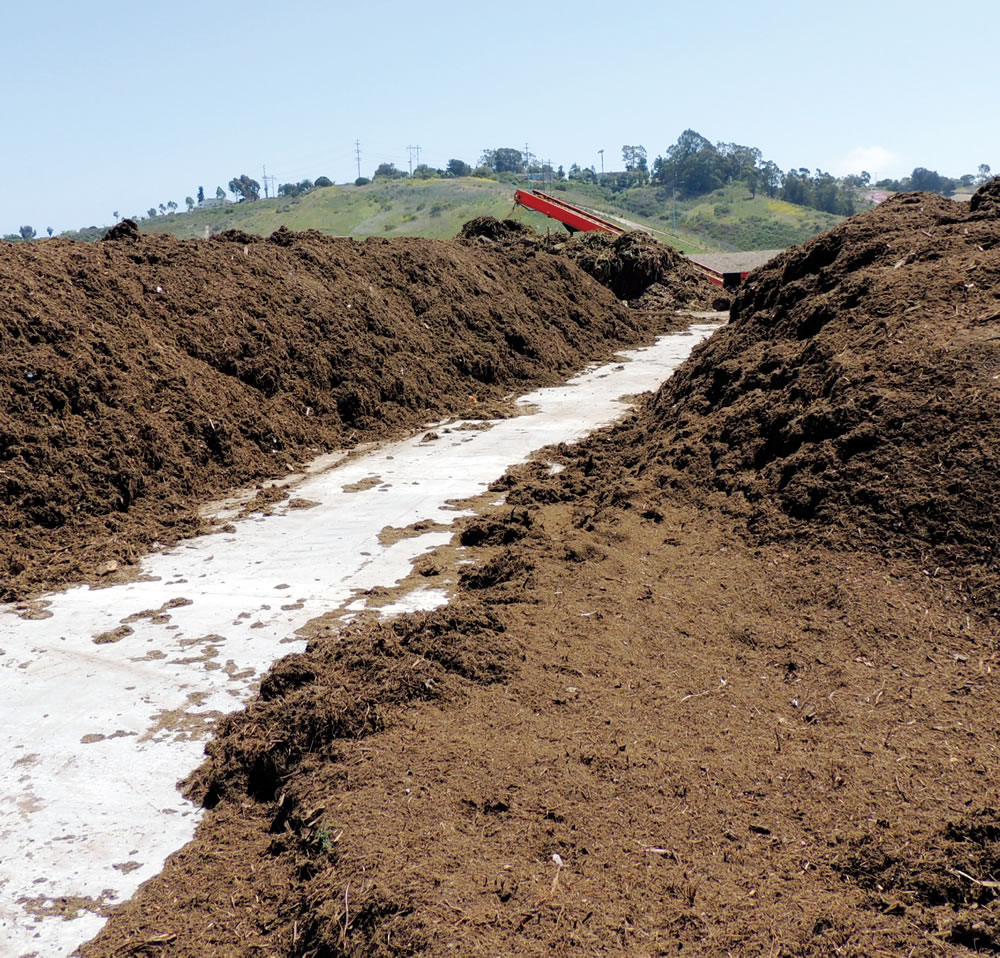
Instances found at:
x=574 y=218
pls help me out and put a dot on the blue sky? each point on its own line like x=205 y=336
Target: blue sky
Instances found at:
x=112 y=105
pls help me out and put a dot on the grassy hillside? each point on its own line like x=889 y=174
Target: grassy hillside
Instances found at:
x=726 y=219
x=734 y=220
x=432 y=208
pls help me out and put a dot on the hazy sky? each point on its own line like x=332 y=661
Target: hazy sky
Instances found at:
x=110 y=105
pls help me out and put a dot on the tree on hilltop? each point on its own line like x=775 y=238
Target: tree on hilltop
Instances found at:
x=924 y=179
x=295 y=189
x=504 y=159
x=634 y=157
x=28 y=232
x=692 y=165
x=245 y=188
x=220 y=193
x=322 y=181
x=201 y=194
x=388 y=171
x=458 y=168
x=735 y=160
x=770 y=177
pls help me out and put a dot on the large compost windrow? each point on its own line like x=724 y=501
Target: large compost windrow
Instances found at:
x=144 y=374
x=854 y=396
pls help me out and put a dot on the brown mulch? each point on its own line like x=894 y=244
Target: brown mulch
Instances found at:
x=632 y=263
x=144 y=374
x=853 y=397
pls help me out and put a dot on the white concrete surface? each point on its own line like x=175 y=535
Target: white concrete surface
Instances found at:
x=94 y=735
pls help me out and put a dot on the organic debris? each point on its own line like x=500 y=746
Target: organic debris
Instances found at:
x=853 y=396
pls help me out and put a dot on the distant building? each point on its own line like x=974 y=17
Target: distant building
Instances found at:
x=877 y=196
x=210 y=201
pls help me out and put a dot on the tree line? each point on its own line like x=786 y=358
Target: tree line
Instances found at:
x=243 y=188
x=694 y=166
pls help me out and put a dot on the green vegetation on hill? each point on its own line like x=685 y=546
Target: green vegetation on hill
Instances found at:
x=735 y=220
x=386 y=207
x=698 y=196
x=725 y=219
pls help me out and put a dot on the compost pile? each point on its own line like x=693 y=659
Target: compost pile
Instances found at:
x=145 y=374
x=489 y=227
x=638 y=269
x=854 y=394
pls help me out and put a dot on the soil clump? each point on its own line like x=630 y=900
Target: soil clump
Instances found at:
x=676 y=706
x=147 y=374
x=491 y=228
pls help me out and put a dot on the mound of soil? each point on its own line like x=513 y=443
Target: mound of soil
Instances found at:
x=634 y=264
x=125 y=230
x=639 y=270
x=489 y=227
x=854 y=395
x=146 y=374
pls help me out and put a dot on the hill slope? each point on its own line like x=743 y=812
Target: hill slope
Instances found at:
x=437 y=208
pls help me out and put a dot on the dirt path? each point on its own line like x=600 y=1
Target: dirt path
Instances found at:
x=122 y=686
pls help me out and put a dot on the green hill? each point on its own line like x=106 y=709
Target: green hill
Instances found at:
x=726 y=219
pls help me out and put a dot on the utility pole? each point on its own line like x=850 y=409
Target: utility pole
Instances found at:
x=527 y=157
x=412 y=150
x=264 y=178
x=602 y=163
x=357 y=153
